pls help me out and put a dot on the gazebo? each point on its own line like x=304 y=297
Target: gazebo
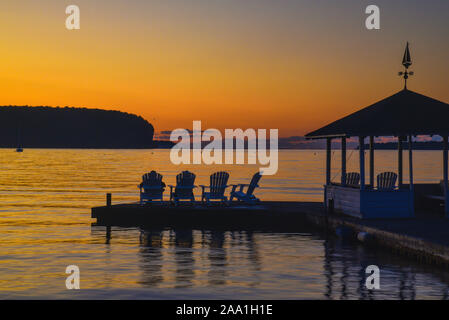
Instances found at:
x=403 y=115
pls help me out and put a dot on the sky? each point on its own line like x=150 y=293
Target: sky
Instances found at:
x=292 y=65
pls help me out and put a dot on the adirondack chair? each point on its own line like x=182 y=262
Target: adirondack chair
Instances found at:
x=386 y=180
x=152 y=187
x=184 y=187
x=352 y=178
x=218 y=185
x=247 y=197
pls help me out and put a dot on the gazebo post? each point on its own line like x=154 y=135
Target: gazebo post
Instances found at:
x=343 y=161
x=445 y=175
x=410 y=160
x=328 y=171
x=328 y=160
x=362 y=162
x=410 y=166
x=400 y=175
x=371 y=161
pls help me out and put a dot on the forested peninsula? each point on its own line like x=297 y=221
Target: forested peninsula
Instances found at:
x=68 y=127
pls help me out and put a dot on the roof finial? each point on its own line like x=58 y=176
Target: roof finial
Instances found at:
x=406 y=62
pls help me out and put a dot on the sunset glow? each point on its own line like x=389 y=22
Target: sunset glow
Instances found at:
x=291 y=65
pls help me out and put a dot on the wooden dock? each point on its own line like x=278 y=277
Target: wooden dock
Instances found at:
x=267 y=215
x=423 y=238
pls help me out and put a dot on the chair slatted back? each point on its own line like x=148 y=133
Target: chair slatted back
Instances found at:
x=353 y=178
x=185 y=179
x=386 y=180
x=152 y=179
x=253 y=183
x=218 y=182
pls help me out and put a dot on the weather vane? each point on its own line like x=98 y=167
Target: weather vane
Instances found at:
x=406 y=62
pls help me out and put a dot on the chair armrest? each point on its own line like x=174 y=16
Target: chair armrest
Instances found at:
x=153 y=187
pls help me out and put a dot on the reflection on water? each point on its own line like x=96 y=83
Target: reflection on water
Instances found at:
x=151 y=258
x=45 y=225
x=300 y=265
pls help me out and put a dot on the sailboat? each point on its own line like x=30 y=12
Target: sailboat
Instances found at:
x=19 y=145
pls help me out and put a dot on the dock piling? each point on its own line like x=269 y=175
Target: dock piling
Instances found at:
x=108 y=227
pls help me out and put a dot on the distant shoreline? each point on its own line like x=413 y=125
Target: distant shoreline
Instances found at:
x=162 y=148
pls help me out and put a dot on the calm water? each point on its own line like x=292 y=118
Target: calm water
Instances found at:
x=45 y=225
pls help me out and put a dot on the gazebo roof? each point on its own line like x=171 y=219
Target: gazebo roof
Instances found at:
x=403 y=113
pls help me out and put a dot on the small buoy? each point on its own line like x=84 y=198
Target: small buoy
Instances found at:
x=364 y=236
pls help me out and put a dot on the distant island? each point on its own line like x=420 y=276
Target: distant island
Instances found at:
x=68 y=127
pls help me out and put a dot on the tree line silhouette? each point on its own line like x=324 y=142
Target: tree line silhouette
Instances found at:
x=68 y=127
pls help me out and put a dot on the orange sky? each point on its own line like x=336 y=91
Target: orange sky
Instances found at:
x=291 y=65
